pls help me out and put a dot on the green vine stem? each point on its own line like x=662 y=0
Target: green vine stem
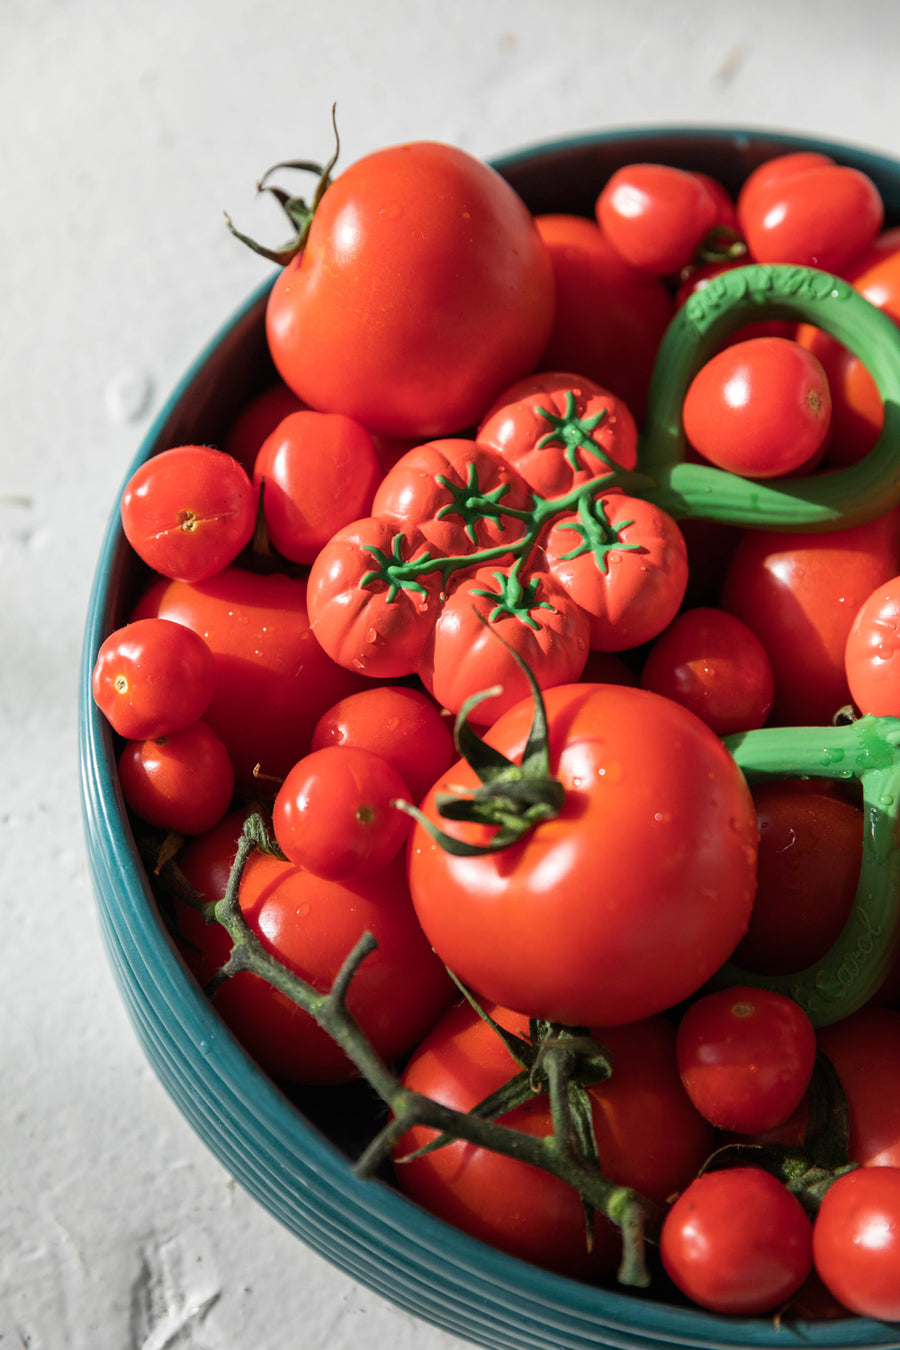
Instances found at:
x=865 y=750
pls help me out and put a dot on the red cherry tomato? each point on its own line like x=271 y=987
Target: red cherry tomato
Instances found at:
x=257 y=420
x=403 y=725
x=609 y=317
x=712 y=663
x=317 y=472
x=856 y=1242
x=153 y=677
x=759 y=408
x=865 y=1051
x=814 y=214
x=333 y=813
x=656 y=216
x=737 y=1242
x=873 y=673
x=188 y=512
x=422 y=290
x=810 y=849
x=745 y=1057
x=182 y=782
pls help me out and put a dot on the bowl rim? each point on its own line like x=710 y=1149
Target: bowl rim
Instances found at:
x=139 y=944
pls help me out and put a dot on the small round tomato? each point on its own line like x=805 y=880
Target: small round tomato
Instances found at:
x=188 y=512
x=403 y=725
x=737 y=1242
x=656 y=216
x=856 y=1242
x=810 y=849
x=559 y=430
x=153 y=677
x=624 y=562
x=630 y=898
x=333 y=813
x=317 y=472
x=873 y=673
x=745 y=1057
x=257 y=420
x=464 y=654
x=712 y=663
x=815 y=214
x=759 y=408
x=609 y=317
x=312 y=924
x=182 y=782
x=423 y=289
x=363 y=614
x=865 y=1051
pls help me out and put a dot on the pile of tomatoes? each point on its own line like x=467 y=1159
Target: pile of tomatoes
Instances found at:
x=417 y=611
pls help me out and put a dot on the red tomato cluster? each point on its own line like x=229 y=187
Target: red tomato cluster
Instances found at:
x=443 y=484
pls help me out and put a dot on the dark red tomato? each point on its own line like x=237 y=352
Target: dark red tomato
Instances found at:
x=745 y=1057
x=865 y=1050
x=361 y=616
x=423 y=290
x=800 y=593
x=856 y=1242
x=403 y=725
x=312 y=925
x=317 y=472
x=273 y=679
x=153 y=677
x=182 y=782
x=333 y=813
x=537 y=617
x=759 y=408
x=188 y=512
x=648 y=1137
x=810 y=849
x=629 y=899
x=432 y=489
x=656 y=216
x=609 y=317
x=626 y=567
x=560 y=430
x=712 y=663
x=737 y=1242
x=873 y=674
x=817 y=215
x=257 y=420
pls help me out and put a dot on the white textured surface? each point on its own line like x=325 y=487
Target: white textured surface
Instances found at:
x=127 y=128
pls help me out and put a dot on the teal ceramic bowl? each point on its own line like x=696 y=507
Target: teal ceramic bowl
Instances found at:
x=290 y=1154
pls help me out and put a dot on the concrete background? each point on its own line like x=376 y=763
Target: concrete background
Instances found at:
x=127 y=129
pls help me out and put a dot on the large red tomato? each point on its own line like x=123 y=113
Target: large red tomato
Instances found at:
x=423 y=290
x=626 y=901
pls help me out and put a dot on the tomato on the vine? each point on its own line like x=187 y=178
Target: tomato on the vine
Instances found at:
x=422 y=290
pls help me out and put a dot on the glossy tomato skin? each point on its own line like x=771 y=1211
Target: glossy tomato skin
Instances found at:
x=403 y=725
x=312 y=924
x=759 y=408
x=865 y=1051
x=273 y=679
x=810 y=849
x=629 y=572
x=713 y=664
x=629 y=899
x=468 y=652
x=257 y=420
x=745 y=1057
x=317 y=472
x=799 y=593
x=656 y=216
x=609 y=317
x=153 y=677
x=422 y=290
x=182 y=782
x=873 y=672
x=648 y=1136
x=520 y=425
x=856 y=1242
x=737 y=1242
x=189 y=511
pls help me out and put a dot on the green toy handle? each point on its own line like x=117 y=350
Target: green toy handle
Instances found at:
x=866 y=750
x=742 y=295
